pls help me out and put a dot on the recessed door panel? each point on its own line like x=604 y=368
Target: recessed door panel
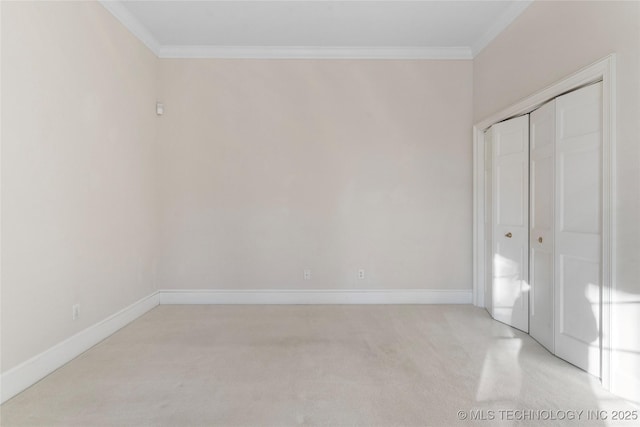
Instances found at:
x=579 y=289
x=511 y=141
x=542 y=192
x=579 y=173
x=510 y=178
x=541 y=308
x=578 y=120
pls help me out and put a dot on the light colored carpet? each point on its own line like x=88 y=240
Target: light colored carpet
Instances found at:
x=312 y=365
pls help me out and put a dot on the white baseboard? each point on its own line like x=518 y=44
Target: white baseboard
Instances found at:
x=337 y=296
x=33 y=370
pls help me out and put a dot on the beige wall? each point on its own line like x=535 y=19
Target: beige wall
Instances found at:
x=78 y=155
x=270 y=167
x=549 y=41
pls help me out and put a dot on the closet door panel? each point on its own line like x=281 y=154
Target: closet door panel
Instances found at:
x=542 y=145
x=510 y=225
x=578 y=227
x=488 y=248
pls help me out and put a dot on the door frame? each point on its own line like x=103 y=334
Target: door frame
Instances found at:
x=603 y=70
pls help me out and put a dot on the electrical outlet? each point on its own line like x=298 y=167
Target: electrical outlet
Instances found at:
x=307 y=274
x=75 y=311
x=361 y=274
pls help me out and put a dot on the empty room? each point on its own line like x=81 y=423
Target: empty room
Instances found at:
x=324 y=213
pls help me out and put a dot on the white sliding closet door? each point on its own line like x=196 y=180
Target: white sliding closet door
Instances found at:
x=510 y=225
x=542 y=143
x=578 y=203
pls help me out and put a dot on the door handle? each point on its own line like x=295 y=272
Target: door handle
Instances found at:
x=509 y=235
x=539 y=239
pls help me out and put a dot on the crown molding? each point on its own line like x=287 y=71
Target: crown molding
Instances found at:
x=130 y=22
x=503 y=21
x=122 y=14
x=126 y=18
x=314 y=52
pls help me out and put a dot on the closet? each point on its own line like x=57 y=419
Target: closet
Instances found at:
x=543 y=224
